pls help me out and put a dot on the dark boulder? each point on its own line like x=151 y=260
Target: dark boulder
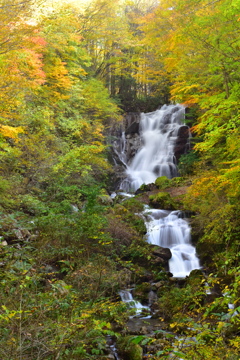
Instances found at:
x=161 y=252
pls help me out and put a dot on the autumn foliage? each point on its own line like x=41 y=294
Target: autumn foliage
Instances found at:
x=67 y=75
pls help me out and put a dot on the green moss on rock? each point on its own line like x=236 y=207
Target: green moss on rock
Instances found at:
x=129 y=350
x=162 y=182
x=162 y=200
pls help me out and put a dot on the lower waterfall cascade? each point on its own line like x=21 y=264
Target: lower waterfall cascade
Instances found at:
x=126 y=296
x=155 y=158
x=168 y=229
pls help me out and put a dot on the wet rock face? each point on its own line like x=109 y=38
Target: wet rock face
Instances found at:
x=160 y=256
x=133 y=144
x=182 y=142
x=132 y=123
x=130 y=126
x=132 y=132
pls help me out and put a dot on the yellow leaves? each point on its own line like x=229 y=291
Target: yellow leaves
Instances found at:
x=173 y=325
x=10 y=131
x=184 y=93
x=235 y=342
x=220 y=326
x=188 y=88
x=58 y=83
x=29 y=69
x=85 y=315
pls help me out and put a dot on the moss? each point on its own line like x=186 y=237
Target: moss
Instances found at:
x=141 y=291
x=162 y=182
x=144 y=188
x=163 y=200
x=129 y=350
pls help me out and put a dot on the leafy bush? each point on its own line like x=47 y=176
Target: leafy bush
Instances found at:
x=134 y=205
x=32 y=205
x=187 y=161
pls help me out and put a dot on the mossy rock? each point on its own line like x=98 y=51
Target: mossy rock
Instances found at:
x=141 y=291
x=145 y=188
x=162 y=182
x=129 y=350
x=162 y=200
x=105 y=200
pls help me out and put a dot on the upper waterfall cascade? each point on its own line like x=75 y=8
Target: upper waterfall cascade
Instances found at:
x=156 y=157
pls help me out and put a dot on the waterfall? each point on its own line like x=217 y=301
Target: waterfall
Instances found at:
x=158 y=131
x=126 y=296
x=169 y=230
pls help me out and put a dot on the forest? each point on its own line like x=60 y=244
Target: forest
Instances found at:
x=69 y=75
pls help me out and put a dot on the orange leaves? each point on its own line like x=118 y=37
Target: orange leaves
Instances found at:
x=38 y=41
x=32 y=68
x=21 y=73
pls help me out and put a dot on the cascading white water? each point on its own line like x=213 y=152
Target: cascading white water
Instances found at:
x=155 y=158
x=168 y=230
x=126 y=296
x=159 y=131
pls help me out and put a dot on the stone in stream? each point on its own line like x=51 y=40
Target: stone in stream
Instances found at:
x=161 y=252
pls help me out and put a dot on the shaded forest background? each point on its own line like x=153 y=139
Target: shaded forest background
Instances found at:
x=66 y=249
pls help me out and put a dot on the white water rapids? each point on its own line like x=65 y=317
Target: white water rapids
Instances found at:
x=167 y=229
x=159 y=131
x=126 y=296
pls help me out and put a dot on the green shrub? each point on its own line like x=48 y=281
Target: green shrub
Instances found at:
x=133 y=205
x=178 y=181
x=187 y=161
